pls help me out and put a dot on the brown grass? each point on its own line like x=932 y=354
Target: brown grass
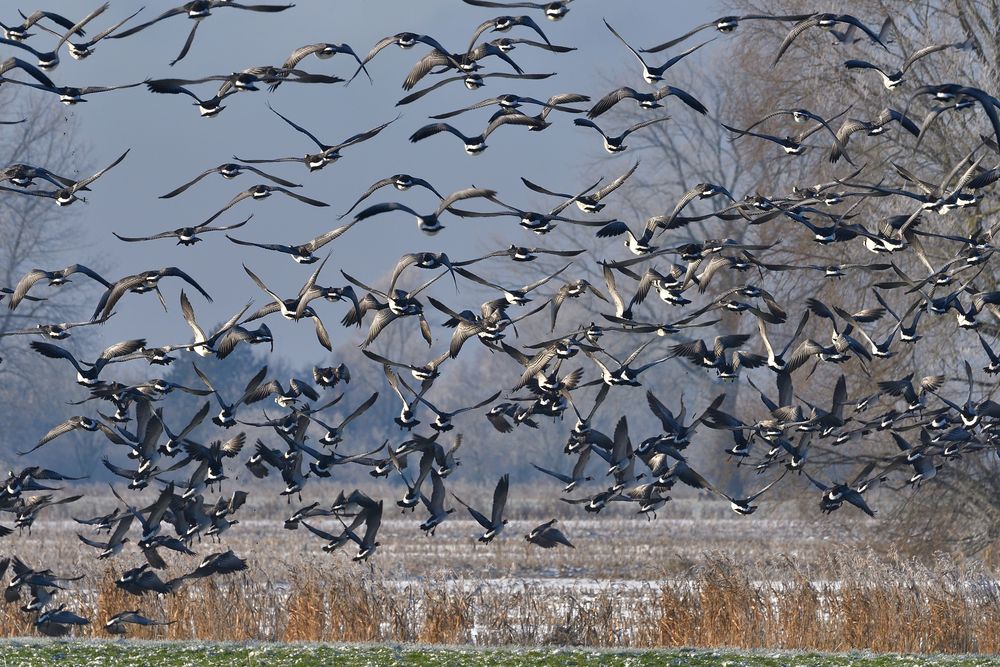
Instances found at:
x=447 y=615
x=856 y=601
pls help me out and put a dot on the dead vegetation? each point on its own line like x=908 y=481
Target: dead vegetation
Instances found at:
x=859 y=600
x=706 y=580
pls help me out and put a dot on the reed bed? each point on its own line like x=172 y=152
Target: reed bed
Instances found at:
x=858 y=600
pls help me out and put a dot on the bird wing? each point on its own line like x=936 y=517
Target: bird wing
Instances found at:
x=468 y=193
x=79 y=185
x=53 y=433
x=550 y=537
x=120 y=530
x=500 y=500
x=142 y=26
x=178 y=190
x=565 y=479
x=480 y=29
x=301 y=198
x=23 y=286
x=300 y=53
x=188 y=312
x=55 y=352
x=796 y=30
x=639 y=126
x=512 y=119
x=367 y=193
x=478 y=516
x=384 y=207
x=627 y=45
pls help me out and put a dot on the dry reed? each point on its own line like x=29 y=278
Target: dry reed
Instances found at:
x=857 y=601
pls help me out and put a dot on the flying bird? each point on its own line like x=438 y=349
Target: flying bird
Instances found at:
x=494 y=524
x=229 y=171
x=616 y=144
x=554 y=11
x=477 y=144
x=197 y=11
x=328 y=153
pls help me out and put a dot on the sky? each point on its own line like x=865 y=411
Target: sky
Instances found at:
x=170 y=143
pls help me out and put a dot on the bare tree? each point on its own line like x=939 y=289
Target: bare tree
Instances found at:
x=691 y=149
x=34 y=232
x=965 y=504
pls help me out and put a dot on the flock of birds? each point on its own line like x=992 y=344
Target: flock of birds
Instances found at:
x=930 y=429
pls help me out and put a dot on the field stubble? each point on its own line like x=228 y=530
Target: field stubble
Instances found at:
x=695 y=577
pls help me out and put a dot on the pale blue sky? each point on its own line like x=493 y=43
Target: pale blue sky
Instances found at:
x=170 y=143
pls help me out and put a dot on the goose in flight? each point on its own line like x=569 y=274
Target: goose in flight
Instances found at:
x=65 y=196
x=323 y=51
x=186 y=236
x=791 y=144
x=435 y=505
x=725 y=25
x=589 y=202
x=515 y=296
x=397 y=304
x=245 y=80
x=510 y=101
x=53 y=330
x=616 y=144
x=367 y=545
x=443 y=419
x=56 y=278
x=71 y=95
x=577 y=475
x=547 y=536
x=116 y=542
x=872 y=128
x=892 y=79
x=24 y=175
x=50 y=60
x=554 y=11
x=494 y=524
x=140 y=283
x=227 y=411
x=543 y=223
x=198 y=10
x=504 y=24
x=302 y=253
x=87 y=374
x=650 y=74
x=472 y=81
x=85 y=49
x=263 y=191
x=404 y=40
x=745 y=505
x=328 y=154
x=19 y=33
x=296 y=308
x=229 y=171
x=644 y=100
x=208 y=108
x=477 y=144
x=467 y=63
x=116 y=624
x=431 y=222
x=401 y=182
x=76 y=423
x=56 y=622
x=834 y=495
x=205 y=345
x=825 y=21
x=625 y=373
x=224 y=562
